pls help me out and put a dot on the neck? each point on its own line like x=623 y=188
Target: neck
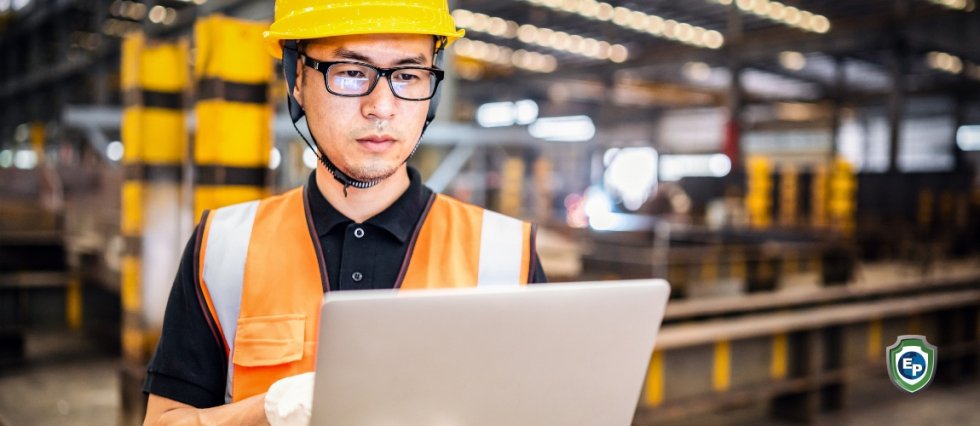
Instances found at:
x=362 y=204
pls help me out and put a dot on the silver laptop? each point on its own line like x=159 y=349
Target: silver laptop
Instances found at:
x=555 y=354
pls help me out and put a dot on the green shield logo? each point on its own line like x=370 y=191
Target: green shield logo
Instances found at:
x=911 y=362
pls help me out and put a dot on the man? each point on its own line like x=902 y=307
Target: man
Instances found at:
x=244 y=309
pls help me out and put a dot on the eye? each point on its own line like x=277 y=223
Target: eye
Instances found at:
x=406 y=76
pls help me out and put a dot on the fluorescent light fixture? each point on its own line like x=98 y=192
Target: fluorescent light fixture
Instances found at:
x=636 y=21
x=525 y=111
x=25 y=159
x=968 y=138
x=114 y=151
x=575 y=128
x=631 y=173
x=275 y=158
x=696 y=71
x=495 y=114
x=598 y=208
x=791 y=60
x=500 y=114
x=675 y=167
x=309 y=158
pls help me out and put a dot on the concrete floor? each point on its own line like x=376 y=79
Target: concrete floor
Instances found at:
x=64 y=381
x=67 y=382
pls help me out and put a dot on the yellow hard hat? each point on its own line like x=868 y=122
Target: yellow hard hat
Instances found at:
x=310 y=19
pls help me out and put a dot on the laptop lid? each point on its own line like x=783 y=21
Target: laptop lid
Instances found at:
x=556 y=354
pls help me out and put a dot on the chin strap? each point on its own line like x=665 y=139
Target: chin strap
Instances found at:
x=335 y=171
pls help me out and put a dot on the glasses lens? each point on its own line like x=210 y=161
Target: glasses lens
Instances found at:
x=350 y=79
x=413 y=83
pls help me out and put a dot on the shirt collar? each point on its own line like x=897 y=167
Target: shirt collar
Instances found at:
x=398 y=219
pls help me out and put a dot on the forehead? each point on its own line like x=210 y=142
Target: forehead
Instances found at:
x=379 y=48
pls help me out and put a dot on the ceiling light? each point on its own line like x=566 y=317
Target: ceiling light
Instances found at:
x=605 y=12
x=964 y=5
x=157 y=14
x=463 y=18
x=530 y=34
x=788 y=15
x=792 y=60
x=577 y=128
x=618 y=53
x=945 y=62
x=621 y=16
x=713 y=39
x=696 y=71
x=631 y=19
x=792 y=15
x=820 y=24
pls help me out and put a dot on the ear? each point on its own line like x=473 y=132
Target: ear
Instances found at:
x=297 y=91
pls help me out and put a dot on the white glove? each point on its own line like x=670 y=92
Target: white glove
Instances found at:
x=289 y=401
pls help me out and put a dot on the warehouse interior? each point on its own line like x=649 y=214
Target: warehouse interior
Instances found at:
x=804 y=174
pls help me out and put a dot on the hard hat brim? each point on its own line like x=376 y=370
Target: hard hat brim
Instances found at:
x=328 y=21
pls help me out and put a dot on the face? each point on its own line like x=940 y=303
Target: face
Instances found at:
x=368 y=137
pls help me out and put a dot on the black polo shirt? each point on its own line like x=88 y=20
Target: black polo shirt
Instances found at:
x=189 y=366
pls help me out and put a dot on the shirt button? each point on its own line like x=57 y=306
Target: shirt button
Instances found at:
x=359 y=232
x=357 y=276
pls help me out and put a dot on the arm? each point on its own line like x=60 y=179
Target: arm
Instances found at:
x=164 y=411
x=188 y=368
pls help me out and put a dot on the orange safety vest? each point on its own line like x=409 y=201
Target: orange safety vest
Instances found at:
x=262 y=275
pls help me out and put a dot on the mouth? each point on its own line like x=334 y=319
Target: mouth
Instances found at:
x=376 y=143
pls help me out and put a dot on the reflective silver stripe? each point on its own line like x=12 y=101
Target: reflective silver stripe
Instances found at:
x=224 y=269
x=501 y=247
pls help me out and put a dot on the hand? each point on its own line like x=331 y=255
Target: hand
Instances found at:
x=289 y=401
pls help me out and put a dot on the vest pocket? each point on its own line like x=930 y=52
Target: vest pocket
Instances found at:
x=269 y=340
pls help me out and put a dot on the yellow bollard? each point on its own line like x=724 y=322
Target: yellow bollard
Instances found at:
x=788 y=195
x=722 y=370
x=654 y=388
x=777 y=367
x=758 y=200
x=818 y=202
x=874 y=340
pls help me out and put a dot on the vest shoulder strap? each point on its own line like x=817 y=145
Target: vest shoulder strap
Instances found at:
x=502 y=240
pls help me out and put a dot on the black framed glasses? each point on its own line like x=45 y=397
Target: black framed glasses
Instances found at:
x=353 y=79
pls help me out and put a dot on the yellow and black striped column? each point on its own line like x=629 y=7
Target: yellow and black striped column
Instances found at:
x=758 y=199
x=154 y=79
x=843 y=196
x=788 y=195
x=234 y=115
x=818 y=197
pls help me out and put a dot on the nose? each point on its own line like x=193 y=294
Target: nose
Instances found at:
x=381 y=102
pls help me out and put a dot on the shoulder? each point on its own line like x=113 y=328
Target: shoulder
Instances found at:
x=448 y=208
x=449 y=203
x=273 y=199
x=244 y=213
